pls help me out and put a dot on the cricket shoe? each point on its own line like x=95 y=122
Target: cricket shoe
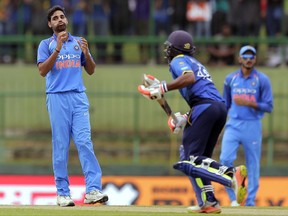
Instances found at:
x=208 y=208
x=239 y=178
x=234 y=203
x=65 y=201
x=95 y=196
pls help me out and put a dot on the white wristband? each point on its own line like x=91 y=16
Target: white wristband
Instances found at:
x=164 y=85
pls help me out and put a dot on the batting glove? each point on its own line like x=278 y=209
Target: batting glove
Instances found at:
x=149 y=80
x=182 y=120
x=154 y=92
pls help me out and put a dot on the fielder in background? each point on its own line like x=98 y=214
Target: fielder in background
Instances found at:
x=201 y=125
x=60 y=59
x=248 y=96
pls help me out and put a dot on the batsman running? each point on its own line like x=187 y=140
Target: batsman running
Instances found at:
x=201 y=125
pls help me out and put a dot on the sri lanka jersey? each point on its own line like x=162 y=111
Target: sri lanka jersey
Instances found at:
x=203 y=88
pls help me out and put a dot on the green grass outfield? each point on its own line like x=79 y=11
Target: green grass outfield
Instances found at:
x=133 y=211
x=113 y=95
x=25 y=77
x=118 y=112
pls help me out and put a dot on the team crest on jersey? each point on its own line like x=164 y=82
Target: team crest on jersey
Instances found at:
x=76 y=47
x=253 y=83
x=187 y=46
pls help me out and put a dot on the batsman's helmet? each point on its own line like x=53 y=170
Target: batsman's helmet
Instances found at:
x=178 y=42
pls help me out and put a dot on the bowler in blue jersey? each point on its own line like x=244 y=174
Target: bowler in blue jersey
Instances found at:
x=60 y=59
x=248 y=96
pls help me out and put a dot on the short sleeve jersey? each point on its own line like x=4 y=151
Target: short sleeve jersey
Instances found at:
x=203 y=88
x=66 y=73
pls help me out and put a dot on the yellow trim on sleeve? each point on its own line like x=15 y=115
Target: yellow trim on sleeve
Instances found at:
x=188 y=71
x=181 y=55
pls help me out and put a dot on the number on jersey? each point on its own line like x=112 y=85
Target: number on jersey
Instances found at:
x=203 y=73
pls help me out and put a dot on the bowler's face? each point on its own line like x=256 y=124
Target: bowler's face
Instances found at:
x=58 y=22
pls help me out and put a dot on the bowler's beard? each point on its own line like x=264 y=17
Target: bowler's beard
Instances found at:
x=60 y=28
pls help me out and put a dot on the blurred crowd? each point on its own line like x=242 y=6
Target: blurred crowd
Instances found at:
x=202 y=18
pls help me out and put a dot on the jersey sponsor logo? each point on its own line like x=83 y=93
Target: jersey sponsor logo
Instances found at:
x=244 y=91
x=68 y=56
x=68 y=61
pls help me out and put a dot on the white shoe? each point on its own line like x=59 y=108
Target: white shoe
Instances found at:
x=95 y=196
x=65 y=201
x=234 y=203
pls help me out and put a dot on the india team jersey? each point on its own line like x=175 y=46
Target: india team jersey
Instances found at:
x=256 y=87
x=66 y=74
x=203 y=88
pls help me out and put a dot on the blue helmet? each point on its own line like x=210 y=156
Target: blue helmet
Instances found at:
x=178 y=42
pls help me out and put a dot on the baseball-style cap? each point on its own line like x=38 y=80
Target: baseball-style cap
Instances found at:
x=247 y=48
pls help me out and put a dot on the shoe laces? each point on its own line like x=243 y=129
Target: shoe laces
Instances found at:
x=66 y=197
x=94 y=192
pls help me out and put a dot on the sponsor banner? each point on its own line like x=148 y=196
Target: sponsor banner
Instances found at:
x=130 y=190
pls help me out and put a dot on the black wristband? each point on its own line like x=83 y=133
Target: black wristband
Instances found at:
x=57 y=50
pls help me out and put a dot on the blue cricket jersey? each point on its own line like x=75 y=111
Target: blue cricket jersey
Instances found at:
x=256 y=87
x=66 y=74
x=203 y=88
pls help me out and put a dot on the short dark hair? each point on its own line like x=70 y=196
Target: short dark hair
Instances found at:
x=52 y=10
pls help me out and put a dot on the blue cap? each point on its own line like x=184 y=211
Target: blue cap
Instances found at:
x=247 y=48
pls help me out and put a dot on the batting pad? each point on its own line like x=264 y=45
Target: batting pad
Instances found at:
x=196 y=171
x=199 y=190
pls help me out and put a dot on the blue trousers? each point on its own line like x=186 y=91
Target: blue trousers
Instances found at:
x=249 y=135
x=69 y=118
x=199 y=139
